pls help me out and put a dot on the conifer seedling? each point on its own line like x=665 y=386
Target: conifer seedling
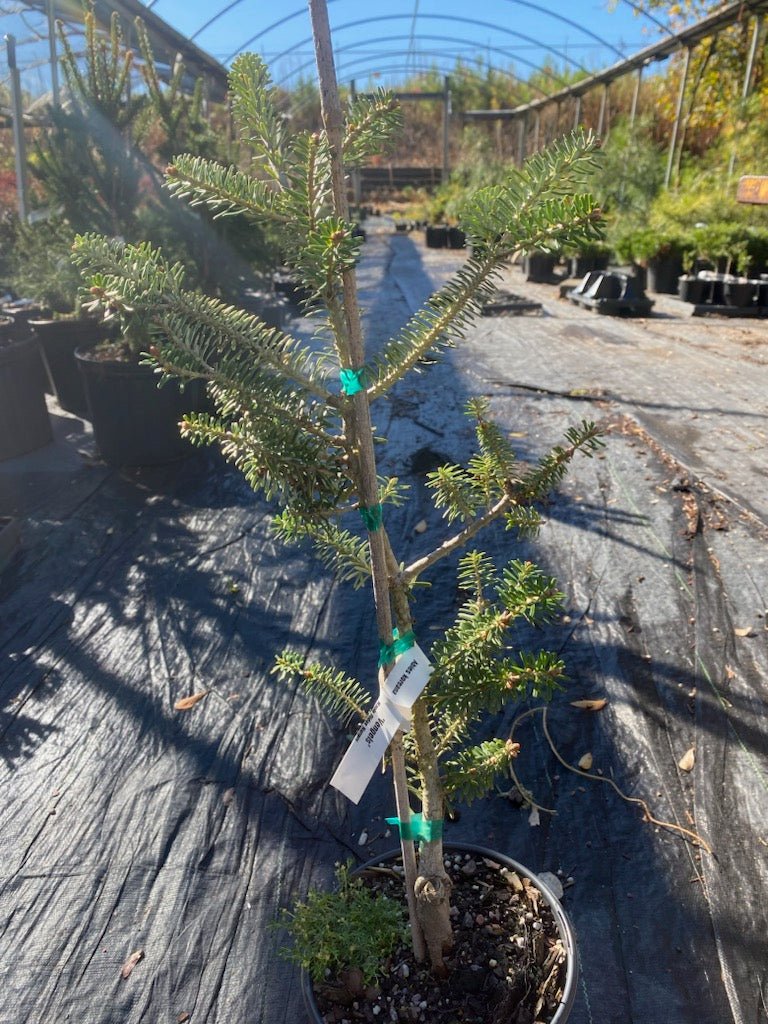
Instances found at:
x=297 y=420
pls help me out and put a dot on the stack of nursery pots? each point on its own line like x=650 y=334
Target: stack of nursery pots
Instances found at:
x=24 y=422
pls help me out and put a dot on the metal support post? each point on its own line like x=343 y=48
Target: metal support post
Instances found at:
x=635 y=98
x=357 y=188
x=446 y=128
x=603 y=110
x=522 y=133
x=678 y=115
x=747 y=87
x=50 y=10
x=18 y=128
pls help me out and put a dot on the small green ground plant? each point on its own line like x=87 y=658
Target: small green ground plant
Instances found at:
x=349 y=927
x=296 y=419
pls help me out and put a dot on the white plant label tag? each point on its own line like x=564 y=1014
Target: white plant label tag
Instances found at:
x=367 y=749
x=408 y=677
x=392 y=711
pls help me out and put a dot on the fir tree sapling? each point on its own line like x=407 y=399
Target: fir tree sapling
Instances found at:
x=281 y=418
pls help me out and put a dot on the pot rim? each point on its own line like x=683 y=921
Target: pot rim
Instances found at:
x=564 y=926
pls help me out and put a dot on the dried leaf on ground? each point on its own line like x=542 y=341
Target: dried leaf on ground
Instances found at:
x=189 y=702
x=687 y=761
x=590 y=705
x=131 y=962
x=585 y=762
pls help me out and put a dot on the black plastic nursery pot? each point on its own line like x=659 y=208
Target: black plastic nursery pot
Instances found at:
x=692 y=288
x=564 y=927
x=24 y=422
x=58 y=341
x=436 y=236
x=663 y=273
x=739 y=292
x=135 y=423
x=539 y=267
x=582 y=265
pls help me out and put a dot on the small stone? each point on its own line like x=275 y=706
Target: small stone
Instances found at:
x=537 y=926
x=513 y=881
x=467 y=921
x=479 y=919
x=423 y=1004
x=404 y=971
x=493 y=963
x=363 y=839
x=469 y=869
x=528 y=916
x=376 y=1011
x=552 y=882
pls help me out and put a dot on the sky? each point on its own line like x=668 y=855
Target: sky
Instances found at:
x=384 y=39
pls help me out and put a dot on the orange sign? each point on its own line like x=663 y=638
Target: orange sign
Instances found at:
x=753 y=188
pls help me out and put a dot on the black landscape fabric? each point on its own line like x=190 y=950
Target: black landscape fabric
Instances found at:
x=145 y=852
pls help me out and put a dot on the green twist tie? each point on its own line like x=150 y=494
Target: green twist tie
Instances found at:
x=401 y=644
x=351 y=381
x=418 y=828
x=372 y=517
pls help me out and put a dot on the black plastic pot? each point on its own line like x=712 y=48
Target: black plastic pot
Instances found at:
x=739 y=292
x=135 y=423
x=436 y=236
x=58 y=341
x=583 y=265
x=663 y=272
x=564 y=927
x=761 y=290
x=691 y=289
x=24 y=422
x=540 y=267
x=456 y=238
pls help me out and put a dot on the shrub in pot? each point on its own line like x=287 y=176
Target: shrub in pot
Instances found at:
x=660 y=252
x=302 y=433
x=96 y=166
x=44 y=272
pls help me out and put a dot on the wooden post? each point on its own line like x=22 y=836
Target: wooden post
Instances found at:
x=536 y=129
x=333 y=119
x=576 y=111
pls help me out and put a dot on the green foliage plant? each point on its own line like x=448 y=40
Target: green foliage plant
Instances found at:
x=281 y=417
x=349 y=927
